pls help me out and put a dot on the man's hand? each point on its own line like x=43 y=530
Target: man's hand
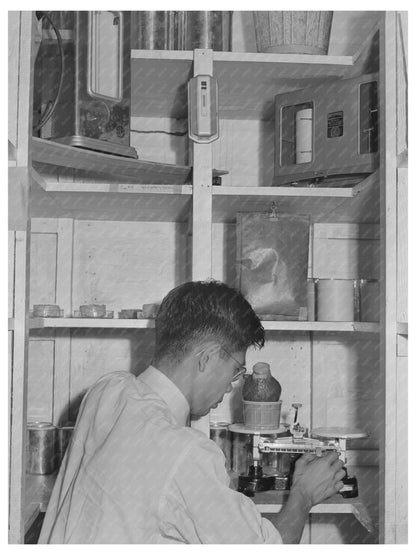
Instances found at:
x=318 y=478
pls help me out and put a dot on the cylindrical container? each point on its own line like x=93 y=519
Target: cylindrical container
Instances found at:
x=219 y=432
x=41 y=448
x=159 y=30
x=150 y=310
x=336 y=300
x=369 y=300
x=262 y=415
x=304 y=125
x=64 y=434
x=46 y=311
x=299 y=32
x=242 y=452
x=93 y=310
x=128 y=313
x=208 y=29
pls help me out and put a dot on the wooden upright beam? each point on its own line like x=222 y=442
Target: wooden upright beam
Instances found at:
x=21 y=45
x=202 y=203
x=388 y=423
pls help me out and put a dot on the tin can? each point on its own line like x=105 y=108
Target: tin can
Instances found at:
x=208 y=29
x=64 y=434
x=242 y=452
x=337 y=300
x=220 y=433
x=41 y=448
x=159 y=30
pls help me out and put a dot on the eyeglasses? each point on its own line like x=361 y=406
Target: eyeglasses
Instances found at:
x=241 y=369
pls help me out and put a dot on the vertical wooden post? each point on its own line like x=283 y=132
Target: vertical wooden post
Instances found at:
x=202 y=204
x=202 y=189
x=388 y=470
x=21 y=38
x=19 y=390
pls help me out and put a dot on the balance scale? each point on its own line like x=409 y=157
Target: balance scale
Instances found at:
x=291 y=447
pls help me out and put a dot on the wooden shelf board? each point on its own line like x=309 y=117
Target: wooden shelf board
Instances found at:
x=56 y=154
x=109 y=323
x=318 y=202
x=279 y=192
x=111 y=201
x=362 y=327
x=139 y=189
x=226 y=202
x=140 y=171
x=116 y=323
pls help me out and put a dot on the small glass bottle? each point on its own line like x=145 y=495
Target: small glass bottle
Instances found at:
x=260 y=386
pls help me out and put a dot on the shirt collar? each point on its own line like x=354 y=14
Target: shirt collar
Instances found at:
x=168 y=391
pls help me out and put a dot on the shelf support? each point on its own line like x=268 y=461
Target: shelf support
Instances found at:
x=202 y=203
x=389 y=471
x=22 y=32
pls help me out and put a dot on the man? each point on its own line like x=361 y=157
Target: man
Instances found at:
x=135 y=472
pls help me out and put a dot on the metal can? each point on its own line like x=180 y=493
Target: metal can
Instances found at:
x=41 y=448
x=242 y=452
x=220 y=433
x=208 y=29
x=63 y=439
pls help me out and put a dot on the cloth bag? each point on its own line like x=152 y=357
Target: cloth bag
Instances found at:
x=272 y=263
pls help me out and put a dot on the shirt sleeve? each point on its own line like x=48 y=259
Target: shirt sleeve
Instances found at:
x=199 y=507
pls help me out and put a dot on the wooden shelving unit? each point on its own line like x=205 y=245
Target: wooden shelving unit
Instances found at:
x=50 y=180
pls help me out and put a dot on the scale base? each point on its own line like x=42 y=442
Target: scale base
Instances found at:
x=255 y=481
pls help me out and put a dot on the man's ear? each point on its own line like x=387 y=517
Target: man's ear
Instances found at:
x=208 y=356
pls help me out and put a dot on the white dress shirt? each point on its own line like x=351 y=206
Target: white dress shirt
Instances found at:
x=136 y=473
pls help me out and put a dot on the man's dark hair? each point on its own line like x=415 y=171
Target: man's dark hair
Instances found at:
x=198 y=311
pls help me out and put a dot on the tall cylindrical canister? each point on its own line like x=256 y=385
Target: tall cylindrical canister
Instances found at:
x=336 y=300
x=304 y=126
x=219 y=432
x=158 y=30
x=242 y=452
x=208 y=30
x=64 y=434
x=41 y=448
